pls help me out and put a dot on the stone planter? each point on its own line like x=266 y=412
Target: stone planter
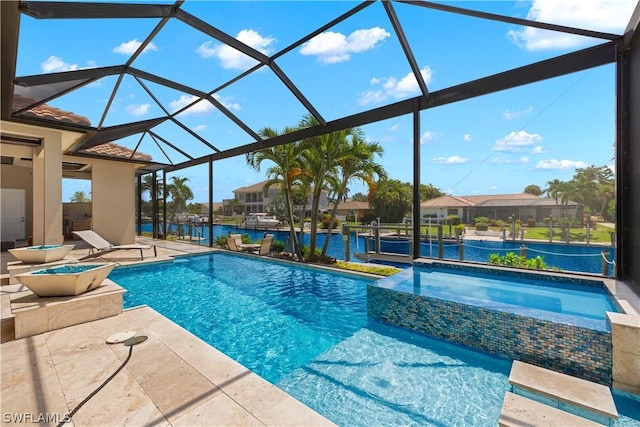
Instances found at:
x=66 y=280
x=41 y=254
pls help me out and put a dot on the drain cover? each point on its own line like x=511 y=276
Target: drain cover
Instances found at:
x=120 y=337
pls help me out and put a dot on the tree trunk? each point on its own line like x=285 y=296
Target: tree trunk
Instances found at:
x=330 y=228
x=315 y=205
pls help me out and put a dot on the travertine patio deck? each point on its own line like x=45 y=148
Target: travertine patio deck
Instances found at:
x=174 y=378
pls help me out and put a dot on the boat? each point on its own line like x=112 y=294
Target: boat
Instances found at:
x=260 y=220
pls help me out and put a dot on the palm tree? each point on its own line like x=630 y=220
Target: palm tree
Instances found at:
x=554 y=189
x=79 y=197
x=180 y=193
x=285 y=169
x=356 y=161
x=320 y=158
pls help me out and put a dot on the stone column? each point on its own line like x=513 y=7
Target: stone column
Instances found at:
x=47 y=191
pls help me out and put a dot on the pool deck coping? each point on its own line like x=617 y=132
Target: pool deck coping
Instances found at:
x=590 y=396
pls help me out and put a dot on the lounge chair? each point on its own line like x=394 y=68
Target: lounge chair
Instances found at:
x=99 y=246
x=231 y=243
x=265 y=247
x=237 y=238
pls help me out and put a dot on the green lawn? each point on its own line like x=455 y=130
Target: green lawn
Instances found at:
x=601 y=234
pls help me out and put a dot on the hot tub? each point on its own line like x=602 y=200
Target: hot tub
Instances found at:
x=41 y=254
x=550 y=320
x=66 y=280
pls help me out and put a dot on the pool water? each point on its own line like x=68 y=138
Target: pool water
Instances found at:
x=534 y=292
x=307 y=331
x=68 y=269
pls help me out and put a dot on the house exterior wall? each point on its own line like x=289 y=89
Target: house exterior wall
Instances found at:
x=256 y=201
x=113 y=201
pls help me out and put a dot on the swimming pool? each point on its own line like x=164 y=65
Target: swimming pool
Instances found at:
x=307 y=331
x=537 y=318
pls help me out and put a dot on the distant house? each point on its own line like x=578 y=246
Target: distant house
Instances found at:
x=499 y=206
x=251 y=199
x=357 y=210
x=204 y=208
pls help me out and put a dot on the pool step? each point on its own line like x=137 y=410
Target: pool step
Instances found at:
x=518 y=411
x=570 y=394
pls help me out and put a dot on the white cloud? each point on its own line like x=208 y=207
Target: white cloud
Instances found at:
x=130 y=47
x=467 y=137
x=390 y=87
x=138 y=110
x=227 y=103
x=538 y=149
x=202 y=107
x=428 y=136
x=330 y=47
x=605 y=15
x=554 y=164
x=451 y=160
x=510 y=115
x=199 y=128
x=493 y=187
x=53 y=64
x=394 y=128
x=502 y=160
x=516 y=141
x=232 y=58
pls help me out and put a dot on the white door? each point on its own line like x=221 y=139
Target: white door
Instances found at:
x=12 y=214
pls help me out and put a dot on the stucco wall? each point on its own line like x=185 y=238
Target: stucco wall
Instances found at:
x=20 y=178
x=113 y=201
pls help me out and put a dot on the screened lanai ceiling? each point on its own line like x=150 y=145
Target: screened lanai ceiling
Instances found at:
x=182 y=82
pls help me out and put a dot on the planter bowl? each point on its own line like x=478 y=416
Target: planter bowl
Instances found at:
x=66 y=280
x=41 y=254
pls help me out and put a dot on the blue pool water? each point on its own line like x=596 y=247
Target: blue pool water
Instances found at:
x=581 y=258
x=582 y=299
x=68 y=269
x=42 y=247
x=307 y=331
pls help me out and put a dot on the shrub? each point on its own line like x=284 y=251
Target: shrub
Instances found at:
x=511 y=259
x=325 y=222
x=453 y=220
x=277 y=246
x=317 y=257
x=367 y=218
x=460 y=228
x=482 y=226
x=481 y=219
x=351 y=218
x=531 y=222
x=221 y=241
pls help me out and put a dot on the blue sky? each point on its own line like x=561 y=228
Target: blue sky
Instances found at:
x=494 y=144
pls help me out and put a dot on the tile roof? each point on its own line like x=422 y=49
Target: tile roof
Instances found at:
x=108 y=149
x=111 y=149
x=355 y=206
x=504 y=200
x=44 y=111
